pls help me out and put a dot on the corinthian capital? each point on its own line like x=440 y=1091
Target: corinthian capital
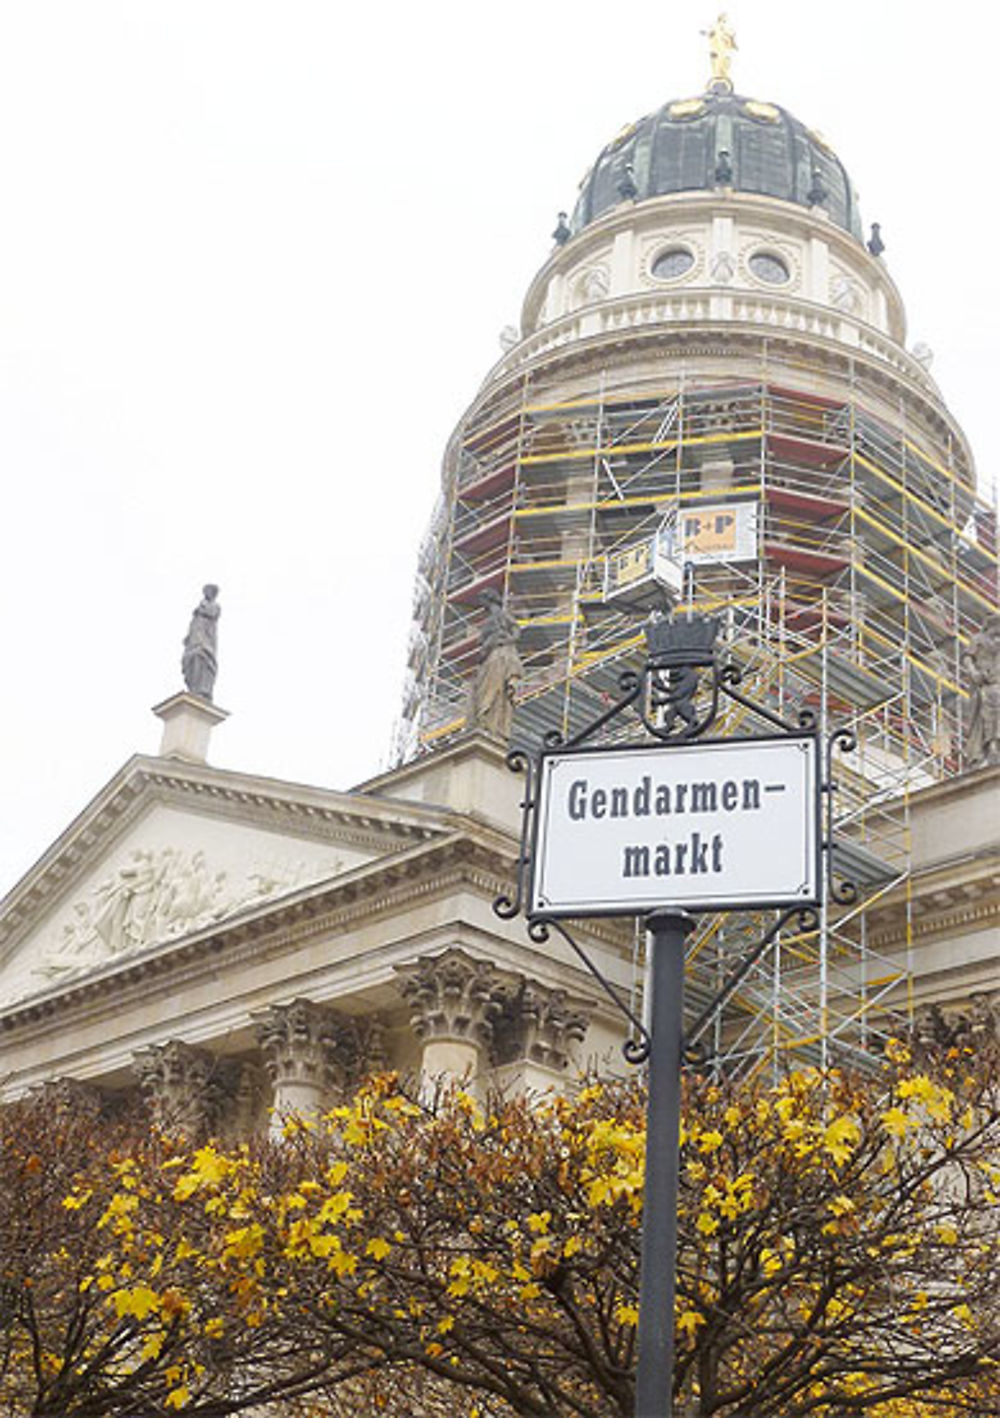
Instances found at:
x=70 y=1095
x=452 y=996
x=306 y=1043
x=541 y=1024
x=181 y=1085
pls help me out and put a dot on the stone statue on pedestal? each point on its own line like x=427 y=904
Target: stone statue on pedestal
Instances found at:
x=491 y=693
x=199 y=663
x=981 y=663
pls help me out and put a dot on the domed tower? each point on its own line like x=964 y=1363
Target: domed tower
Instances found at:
x=711 y=401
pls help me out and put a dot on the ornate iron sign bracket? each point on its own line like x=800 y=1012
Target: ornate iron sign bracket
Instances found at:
x=675 y=697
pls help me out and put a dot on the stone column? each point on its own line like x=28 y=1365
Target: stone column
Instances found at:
x=181 y=1085
x=536 y=1036
x=454 y=1002
x=307 y=1049
x=246 y=1091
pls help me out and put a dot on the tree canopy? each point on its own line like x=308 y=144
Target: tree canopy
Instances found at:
x=839 y=1253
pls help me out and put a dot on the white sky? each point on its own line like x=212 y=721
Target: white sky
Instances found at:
x=254 y=260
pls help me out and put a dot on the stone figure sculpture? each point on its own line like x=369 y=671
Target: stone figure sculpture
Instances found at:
x=155 y=895
x=494 y=685
x=981 y=663
x=199 y=663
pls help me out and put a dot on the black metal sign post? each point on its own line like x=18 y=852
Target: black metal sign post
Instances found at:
x=676 y=697
x=658 y=1270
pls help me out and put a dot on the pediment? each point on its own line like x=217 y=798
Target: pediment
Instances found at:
x=167 y=849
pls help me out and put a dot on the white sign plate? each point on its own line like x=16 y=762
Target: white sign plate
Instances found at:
x=723 y=823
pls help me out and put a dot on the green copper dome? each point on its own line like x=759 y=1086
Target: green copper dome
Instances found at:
x=718 y=140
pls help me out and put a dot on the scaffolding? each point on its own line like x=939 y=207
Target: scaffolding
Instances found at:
x=873 y=566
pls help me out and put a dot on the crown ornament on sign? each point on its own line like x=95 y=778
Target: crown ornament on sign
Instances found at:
x=682 y=640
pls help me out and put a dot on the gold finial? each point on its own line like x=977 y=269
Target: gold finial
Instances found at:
x=721 y=43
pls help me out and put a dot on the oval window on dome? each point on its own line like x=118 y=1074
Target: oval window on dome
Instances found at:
x=770 y=268
x=673 y=262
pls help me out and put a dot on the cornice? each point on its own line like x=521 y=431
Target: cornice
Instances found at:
x=970 y=915
x=714 y=336
x=585 y=356
x=985 y=779
x=478 y=860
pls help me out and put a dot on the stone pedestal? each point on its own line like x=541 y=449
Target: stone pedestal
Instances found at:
x=188 y=722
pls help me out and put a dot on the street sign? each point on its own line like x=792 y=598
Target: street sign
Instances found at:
x=698 y=826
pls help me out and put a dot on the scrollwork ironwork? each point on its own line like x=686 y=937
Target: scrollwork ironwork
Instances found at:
x=635 y=1050
x=842 y=891
x=505 y=906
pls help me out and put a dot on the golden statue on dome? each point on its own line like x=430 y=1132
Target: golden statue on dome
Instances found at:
x=721 y=43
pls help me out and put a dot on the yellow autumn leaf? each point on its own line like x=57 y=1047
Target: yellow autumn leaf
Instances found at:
x=897 y=1122
x=378 y=1247
x=627 y=1314
x=152 y=1346
x=139 y=1301
x=839 y=1138
x=77 y=1200
x=770 y=1261
x=177 y=1397
x=335 y=1207
x=689 y=1321
x=244 y=1243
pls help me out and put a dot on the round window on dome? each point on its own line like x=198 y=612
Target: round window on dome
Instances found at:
x=673 y=262
x=770 y=268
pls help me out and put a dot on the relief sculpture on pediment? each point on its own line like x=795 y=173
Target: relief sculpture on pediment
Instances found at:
x=155 y=895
